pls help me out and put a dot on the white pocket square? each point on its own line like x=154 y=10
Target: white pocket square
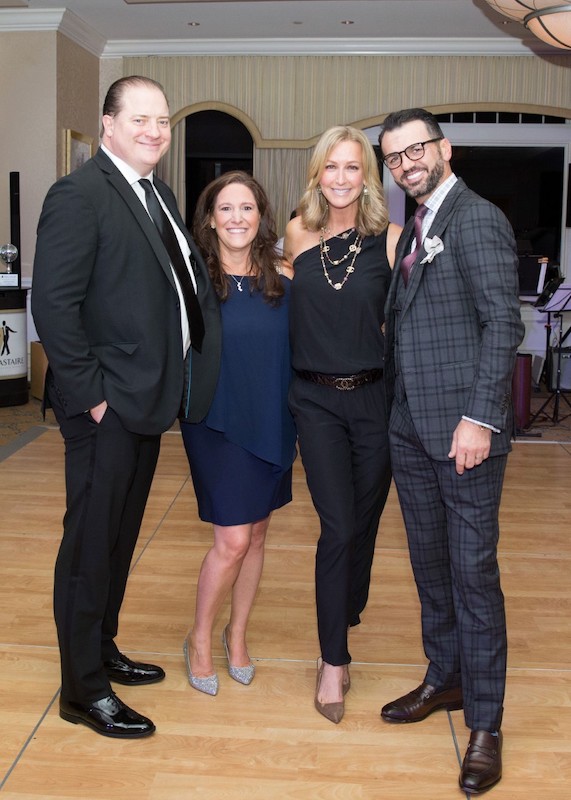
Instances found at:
x=433 y=247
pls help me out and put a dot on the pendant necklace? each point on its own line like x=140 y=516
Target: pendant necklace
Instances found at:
x=238 y=282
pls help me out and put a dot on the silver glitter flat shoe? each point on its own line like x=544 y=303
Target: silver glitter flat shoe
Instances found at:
x=244 y=675
x=208 y=685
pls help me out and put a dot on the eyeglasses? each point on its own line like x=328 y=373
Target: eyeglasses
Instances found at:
x=413 y=152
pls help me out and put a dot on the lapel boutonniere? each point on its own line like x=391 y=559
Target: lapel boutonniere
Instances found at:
x=433 y=247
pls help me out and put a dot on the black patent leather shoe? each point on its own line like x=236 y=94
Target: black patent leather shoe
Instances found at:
x=482 y=765
x=132 y=673
x=421 y=702
x=108 y=716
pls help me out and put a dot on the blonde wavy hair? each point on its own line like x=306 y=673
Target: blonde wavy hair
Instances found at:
x=372 y=213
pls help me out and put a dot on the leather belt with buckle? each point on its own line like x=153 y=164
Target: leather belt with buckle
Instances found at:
x=345 y=383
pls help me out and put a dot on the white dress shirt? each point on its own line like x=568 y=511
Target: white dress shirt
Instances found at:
x=132 y=177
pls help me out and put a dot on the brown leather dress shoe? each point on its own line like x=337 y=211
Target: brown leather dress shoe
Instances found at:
x=418 y=704
x=482 y=765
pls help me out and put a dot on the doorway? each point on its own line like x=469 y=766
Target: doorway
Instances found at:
x=215 y=143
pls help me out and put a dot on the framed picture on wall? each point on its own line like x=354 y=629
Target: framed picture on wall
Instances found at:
x=78 y=148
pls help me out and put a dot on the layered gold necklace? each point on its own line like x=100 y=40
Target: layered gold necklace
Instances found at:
x=352 y=252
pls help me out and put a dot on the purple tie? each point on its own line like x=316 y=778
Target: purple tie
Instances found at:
x=408 y=261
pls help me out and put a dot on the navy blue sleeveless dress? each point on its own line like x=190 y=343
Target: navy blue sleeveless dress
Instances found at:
x=241 y=455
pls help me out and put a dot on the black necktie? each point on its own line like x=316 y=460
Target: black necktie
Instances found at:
x=166 y=230
x=407 y=262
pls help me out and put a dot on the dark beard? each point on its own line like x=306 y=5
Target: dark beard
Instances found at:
x=429 y=185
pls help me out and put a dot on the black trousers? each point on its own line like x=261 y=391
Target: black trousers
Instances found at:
x=109 y=472
x=344 y=448
x=452 y=528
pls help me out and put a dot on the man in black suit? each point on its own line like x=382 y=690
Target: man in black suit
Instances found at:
x=453 y=327
x=120 y=333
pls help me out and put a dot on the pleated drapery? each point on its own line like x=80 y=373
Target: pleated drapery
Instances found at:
x=287 y=102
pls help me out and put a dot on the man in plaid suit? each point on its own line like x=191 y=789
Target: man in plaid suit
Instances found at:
x=452 y=331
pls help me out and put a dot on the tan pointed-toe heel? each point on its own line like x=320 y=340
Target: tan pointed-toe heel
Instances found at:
x=346 y=681
x=331 y=711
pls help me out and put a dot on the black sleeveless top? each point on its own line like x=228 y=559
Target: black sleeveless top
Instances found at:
x=338 y=332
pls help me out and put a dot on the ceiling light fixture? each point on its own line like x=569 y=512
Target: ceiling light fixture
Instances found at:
x=549 y=20
x=347 y=22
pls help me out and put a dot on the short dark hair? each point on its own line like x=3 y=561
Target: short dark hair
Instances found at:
x=399 y=118
x=114 y=98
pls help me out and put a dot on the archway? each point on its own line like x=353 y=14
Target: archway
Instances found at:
x=215 y=142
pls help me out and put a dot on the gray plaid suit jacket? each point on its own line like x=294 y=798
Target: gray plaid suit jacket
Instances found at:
x=459 y=324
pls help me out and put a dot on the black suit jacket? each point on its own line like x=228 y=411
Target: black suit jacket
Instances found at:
x=106 y=306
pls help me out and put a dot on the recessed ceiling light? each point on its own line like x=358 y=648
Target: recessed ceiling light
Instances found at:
x=193 y=24
x=347 y=22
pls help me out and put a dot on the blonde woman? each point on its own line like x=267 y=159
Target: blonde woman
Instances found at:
x=342 y=247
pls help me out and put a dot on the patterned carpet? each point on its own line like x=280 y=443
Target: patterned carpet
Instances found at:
x=20 y=423
x=15 y=420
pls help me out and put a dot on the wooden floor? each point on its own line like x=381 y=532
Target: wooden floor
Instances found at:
x=267 y=741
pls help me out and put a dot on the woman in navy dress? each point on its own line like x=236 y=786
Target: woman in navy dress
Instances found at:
x=342 y=247
x=241 y=454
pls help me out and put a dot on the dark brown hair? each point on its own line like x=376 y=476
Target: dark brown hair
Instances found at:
x=399 y=118
x=114 y=98
x=263 y=256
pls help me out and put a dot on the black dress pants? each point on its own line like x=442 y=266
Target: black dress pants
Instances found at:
x=344 y=448
x=109 y=472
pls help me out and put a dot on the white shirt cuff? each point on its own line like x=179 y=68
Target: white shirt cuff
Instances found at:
x=481 y=424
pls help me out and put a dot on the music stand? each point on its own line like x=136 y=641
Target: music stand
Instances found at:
x=557 y=305
x=548 y=291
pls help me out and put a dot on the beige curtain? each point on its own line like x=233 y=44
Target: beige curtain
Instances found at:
x=288 y=101
x=282 y=173
x=291 y=100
